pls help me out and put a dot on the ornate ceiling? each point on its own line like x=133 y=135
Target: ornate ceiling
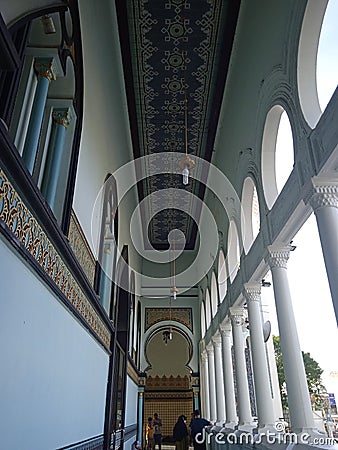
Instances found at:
x=175 y=53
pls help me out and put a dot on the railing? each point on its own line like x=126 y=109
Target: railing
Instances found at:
x=94 y=443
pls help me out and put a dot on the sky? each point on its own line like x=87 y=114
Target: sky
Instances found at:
x=312 y=303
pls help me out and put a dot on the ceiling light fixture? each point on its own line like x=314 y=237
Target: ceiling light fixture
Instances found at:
x=186 y=164
x=48 y=24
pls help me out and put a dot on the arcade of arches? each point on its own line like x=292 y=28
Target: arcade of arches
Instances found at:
x=157 y=160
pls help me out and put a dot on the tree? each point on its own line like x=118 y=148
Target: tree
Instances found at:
x=313 y=376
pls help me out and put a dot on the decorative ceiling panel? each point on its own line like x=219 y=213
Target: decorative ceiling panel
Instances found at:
x=175 y=47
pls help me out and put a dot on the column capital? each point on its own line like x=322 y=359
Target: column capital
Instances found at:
x=62 y=117
x=225 y=329
x=323 y=192
x=204 y=357
x=278 y=256
x=252 y=292
x=210 y=348
x=237 y=316
x=45 y=68
x=217 y=340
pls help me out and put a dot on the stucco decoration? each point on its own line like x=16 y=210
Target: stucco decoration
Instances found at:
x=155 y=315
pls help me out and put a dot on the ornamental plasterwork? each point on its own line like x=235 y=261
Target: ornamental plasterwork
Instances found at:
x=155 y=315
x=19 y=219
x=237 y=316
x=323 y=192
x=80 y=247
x=278 y=256
x=252 y=292
x=225 y=329
x=173 y=56
x=216 y=340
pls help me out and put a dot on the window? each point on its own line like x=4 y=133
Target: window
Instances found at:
x=277 y=153
x=250 y=220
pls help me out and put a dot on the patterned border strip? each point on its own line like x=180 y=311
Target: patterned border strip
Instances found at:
x=19 y=219
x=80 y=247
x=155 y=315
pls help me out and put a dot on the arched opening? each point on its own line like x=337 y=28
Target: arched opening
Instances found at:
x=107 y=246
x=222 y=276
x=203 y=328
x=168 y=389
x=207 y=309
x=250 y=217
x=233 y=251
x=277 y=153
x=327 y=56
x=317 y=58
x=214 y=294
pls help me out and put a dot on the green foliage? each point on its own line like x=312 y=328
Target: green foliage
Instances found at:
x=313 y=376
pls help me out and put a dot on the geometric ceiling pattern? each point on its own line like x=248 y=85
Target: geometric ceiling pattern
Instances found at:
x=175 y=48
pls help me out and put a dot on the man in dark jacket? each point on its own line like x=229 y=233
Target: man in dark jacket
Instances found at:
x=196 y=426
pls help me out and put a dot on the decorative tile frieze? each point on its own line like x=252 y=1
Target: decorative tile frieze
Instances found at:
x=19 y=219
x=168 y=383
x=155 y=315
x=80 y=247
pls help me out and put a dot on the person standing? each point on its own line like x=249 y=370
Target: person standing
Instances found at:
x=150 y=434
x=180 y=434
x=197 y=425
x=157 y=423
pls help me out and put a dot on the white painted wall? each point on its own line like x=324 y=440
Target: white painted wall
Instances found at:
x=131 y=402
x=53 y=373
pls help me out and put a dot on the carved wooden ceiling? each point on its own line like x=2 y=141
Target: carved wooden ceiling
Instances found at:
x=174 y=50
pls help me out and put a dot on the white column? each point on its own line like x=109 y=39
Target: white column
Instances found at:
x=301 y=416
x=206 y=403
x=245 y=422
x=229 y=390
x=265 y=411
x=220 y=400
x=212 y=386
x=324 y=202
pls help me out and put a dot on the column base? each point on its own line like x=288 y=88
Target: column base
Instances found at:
x=216 y=428
x=267 y=429
x=246 y=427
x=229 y=427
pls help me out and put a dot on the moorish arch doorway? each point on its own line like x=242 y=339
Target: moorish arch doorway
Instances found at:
x=169 y=382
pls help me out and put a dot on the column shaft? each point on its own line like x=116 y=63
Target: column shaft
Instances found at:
x=230 y=400
x=219 y=380
x=243 y=397
x=45 y=74
x=140 y=416
x=206 y=385
x=327 y=221
x=265 y=411
x=212 y=386
x=301 y=416
x=55 y=155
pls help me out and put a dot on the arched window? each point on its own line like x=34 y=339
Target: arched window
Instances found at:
x=250 y=218
x=132 y=316
x=233 y=251
x=203 y=328
x=277 y=153
x=222 y=276
x=214 y=295
x=107 y=245
x=317 y=58
x=327 y=56
x=207 y=309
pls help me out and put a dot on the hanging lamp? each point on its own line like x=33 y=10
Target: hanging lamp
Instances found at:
x=186 y=164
